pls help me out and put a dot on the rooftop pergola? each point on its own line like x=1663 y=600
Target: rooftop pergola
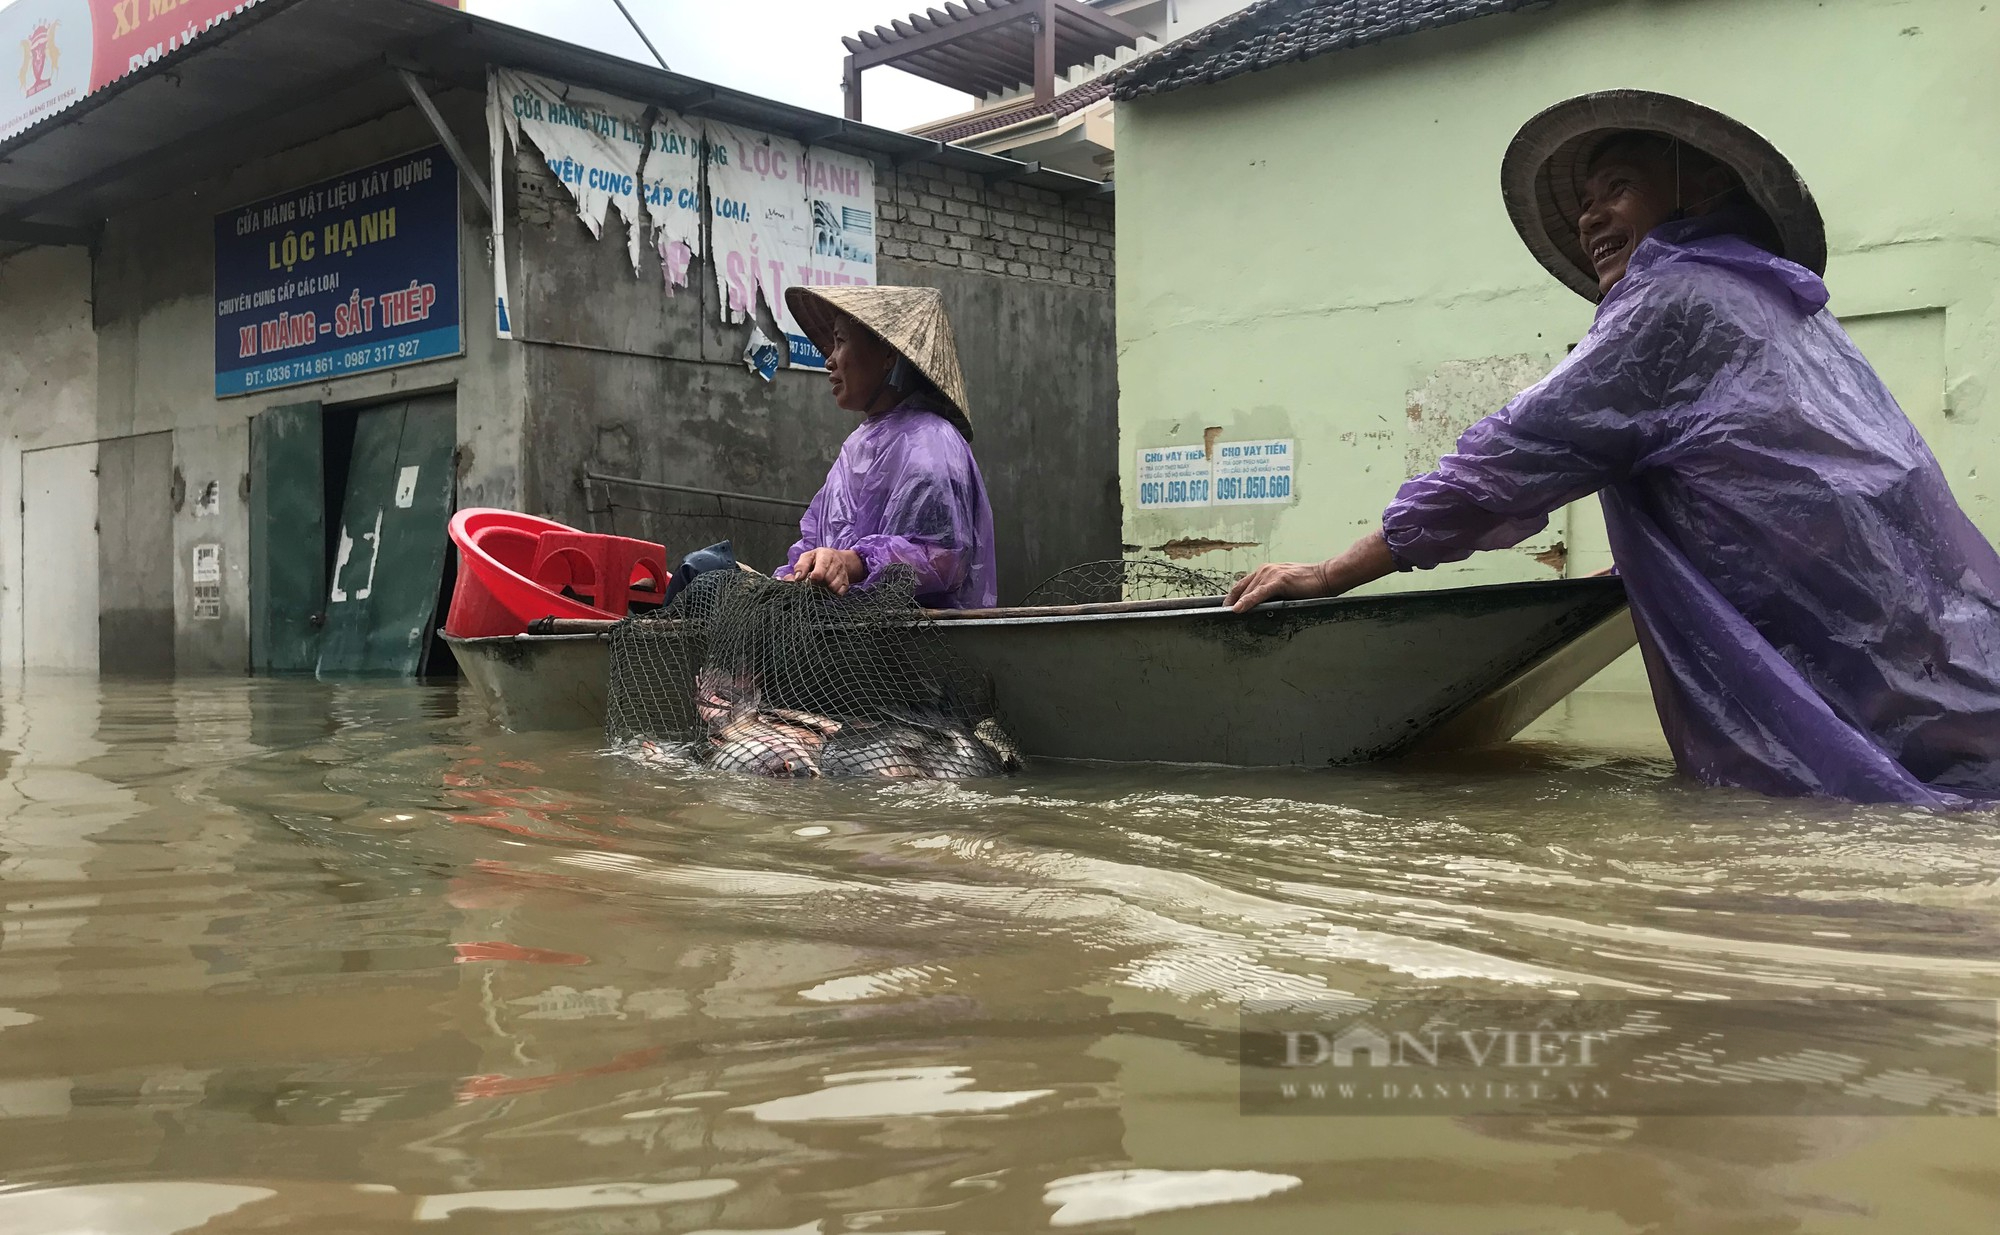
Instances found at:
x=988 y=46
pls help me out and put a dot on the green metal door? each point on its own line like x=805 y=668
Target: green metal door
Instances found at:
x=287 y=539
x=389 y=563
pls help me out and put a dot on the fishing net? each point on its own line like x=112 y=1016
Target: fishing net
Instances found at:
x=1127 y=579
x=744 y=673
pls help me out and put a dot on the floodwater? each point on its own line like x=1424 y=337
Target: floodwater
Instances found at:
x=318 y=958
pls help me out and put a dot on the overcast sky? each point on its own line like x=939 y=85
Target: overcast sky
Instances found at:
x=782 y=49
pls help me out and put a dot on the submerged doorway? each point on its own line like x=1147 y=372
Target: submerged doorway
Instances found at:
x=348 y=547
x=59 y=557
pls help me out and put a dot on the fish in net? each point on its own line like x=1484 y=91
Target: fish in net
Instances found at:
x=1120 y=579
x=742 y=673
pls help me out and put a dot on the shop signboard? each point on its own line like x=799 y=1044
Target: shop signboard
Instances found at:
x=70 y=48
x=355 y=273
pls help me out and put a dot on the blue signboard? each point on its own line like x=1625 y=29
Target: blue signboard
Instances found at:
x=354 y=273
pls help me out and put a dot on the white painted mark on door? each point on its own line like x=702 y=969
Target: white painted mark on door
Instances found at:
x=340 y=563
x=374 y=540
x=406 y=487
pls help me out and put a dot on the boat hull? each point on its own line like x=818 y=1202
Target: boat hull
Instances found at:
x=1296 y=683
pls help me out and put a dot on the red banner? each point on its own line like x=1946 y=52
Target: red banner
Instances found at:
x=67 y=49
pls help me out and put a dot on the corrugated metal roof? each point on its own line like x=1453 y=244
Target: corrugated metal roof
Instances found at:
x=284 y=72
x=1278 y=32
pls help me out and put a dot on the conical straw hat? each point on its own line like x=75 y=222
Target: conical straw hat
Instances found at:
x=909 y=319
x=1542 y=174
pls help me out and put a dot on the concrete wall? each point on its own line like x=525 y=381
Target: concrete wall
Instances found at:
x=626 y=378
x=48 y=393
x=1319 y=251
x=122 y=345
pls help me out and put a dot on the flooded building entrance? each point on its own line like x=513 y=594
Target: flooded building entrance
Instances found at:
x=347 y=535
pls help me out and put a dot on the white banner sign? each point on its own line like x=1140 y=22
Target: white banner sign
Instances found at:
x=785 y=216
x=596 y=145
x=780 y=214
x=840 y=189
x=673 y=195
x=760 y=222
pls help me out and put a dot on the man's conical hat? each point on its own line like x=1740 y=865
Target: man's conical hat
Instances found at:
x=910 y=319
x=1542 y=175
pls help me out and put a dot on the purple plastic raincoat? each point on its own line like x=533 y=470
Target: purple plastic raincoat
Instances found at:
x=907 y=489
x=1816 y=613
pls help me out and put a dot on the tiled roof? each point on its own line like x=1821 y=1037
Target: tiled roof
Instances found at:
x=1000 y=117
x=1276 y=32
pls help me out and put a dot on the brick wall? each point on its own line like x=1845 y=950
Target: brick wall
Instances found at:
x=939 y=215
x=951 y=218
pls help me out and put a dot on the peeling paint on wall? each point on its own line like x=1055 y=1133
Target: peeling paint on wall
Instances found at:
x=1194 y=546
x=1459 y=394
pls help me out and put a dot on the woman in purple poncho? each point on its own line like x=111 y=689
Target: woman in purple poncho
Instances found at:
x=905 y=490
x=1816 y=613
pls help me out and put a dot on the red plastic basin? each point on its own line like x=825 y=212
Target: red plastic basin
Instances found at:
x=496 y=593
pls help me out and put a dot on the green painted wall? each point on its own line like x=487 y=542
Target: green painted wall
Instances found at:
x=1319 y=251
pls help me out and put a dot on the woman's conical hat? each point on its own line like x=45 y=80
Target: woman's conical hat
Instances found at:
x=1542 y=174
x=910 y=319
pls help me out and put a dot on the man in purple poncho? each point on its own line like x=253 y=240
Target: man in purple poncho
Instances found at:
x=1816 y=613
x=905 y=490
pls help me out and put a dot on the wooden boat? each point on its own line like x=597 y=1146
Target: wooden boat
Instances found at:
x=1299 y=683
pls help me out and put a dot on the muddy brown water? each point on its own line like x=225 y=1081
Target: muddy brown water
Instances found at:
x=310 y=957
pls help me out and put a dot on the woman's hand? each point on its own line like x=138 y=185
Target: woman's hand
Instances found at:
x=834 y=569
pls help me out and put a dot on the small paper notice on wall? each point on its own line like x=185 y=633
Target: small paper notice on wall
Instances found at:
x=406 y=488
x=1172 y=476
x=1247 y=472
x=1239 y=473
x=206 y=583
